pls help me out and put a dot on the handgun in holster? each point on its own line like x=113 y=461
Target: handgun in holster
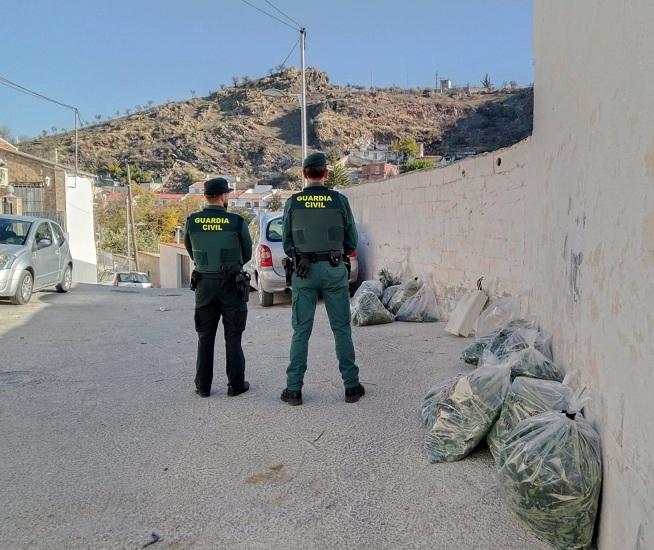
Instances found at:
x=195 y=277
x=243 y=285
x=289 y=269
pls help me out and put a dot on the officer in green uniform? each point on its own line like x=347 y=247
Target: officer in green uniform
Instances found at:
x=219 y=243
x=318 y=233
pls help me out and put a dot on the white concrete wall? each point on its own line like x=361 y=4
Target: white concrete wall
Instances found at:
x=569 y=216
x=80 y=228
x=456 y=223
x=591 y=232
x=170 y=265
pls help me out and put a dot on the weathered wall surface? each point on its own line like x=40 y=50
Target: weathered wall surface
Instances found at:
x=569 y=216
x=455 y=223
x=591 y=232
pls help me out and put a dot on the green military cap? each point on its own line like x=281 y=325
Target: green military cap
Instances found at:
x=315 y=159
x=216 y=186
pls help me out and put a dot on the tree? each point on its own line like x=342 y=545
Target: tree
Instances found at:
x=6 y=133
x=407 y=147
x=117 y=113
x=222 y=87
x=275 y=204
x=150 y=103
x=44 y=133
x=235 y=80
x=98 y=117
x=138 y=108
x=486 y=82
x=192 y=93
x=53 y=129
x=418 y=164
x=338 y=176
x=128 y=111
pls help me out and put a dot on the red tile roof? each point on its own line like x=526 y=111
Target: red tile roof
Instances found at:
x=170 y=196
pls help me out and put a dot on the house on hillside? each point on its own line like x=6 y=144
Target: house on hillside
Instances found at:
x=373 y=152
x=169 y=198
x=198 y=187
x=33 y=186
x=378 y=171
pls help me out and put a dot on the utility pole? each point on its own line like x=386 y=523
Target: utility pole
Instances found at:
x=131 y=217
x=303 y=106
x=129 y=247
x=438 y=84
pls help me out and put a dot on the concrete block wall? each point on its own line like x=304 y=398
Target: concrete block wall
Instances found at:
x=456 y=224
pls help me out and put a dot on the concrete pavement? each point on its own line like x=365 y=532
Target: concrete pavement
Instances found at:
x=103 y=441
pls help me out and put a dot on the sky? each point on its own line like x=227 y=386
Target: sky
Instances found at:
x=108 y=56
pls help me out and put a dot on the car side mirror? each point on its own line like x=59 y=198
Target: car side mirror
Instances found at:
x=43 y=243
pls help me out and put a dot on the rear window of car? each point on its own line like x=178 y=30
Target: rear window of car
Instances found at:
x=274 y=231
x=132 y=278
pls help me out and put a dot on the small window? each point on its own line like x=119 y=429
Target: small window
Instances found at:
x=274 y=231
x=59 y=234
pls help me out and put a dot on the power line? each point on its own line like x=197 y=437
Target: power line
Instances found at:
x=270 y=15
x=13 y=85
x=282 y=13
x=290 y=53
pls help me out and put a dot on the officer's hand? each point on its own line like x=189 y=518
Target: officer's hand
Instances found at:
x=302 y=268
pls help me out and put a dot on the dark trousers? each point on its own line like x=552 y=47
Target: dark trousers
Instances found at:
x=215 y=298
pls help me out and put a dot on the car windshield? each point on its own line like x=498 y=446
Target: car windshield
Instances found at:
x=13 y=231
x=274 y=232
x=132 y=278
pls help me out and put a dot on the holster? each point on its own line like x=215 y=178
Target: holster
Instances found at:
x=195 y=277
x=242 y=280
x=289 y=269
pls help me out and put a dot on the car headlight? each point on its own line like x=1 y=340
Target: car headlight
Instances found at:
x=6 y=260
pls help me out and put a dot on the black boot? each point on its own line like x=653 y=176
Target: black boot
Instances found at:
x=203 y=393
x=292 y=397
x=352 y=395
x=233 y=392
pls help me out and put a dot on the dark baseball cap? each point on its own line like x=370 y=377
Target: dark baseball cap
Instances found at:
x=315 y=159
x=216 y=186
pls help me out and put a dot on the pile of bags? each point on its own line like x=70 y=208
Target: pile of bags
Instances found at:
x=546 y=453
x=388 y=299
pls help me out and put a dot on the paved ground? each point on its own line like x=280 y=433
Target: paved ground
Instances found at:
x=103 y=441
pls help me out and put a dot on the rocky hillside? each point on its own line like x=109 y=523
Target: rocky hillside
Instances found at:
x=239 y=131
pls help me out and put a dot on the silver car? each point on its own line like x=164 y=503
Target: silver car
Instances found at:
x=265 y=268
x=34 y=254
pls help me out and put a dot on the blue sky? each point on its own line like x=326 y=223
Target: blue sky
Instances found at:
x=111 y=55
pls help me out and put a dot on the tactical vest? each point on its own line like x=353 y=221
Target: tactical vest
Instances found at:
x=215 y=238
x=317 y=221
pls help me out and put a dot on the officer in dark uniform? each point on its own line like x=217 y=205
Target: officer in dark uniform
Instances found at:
x=219 y=243
x=318 y=233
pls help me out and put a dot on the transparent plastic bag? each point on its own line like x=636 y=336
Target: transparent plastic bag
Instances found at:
x=551 y=475
x=389 y=293
x=468 y=412
x=422 y=307
x=497 y=315
x=527 y=397
x=373 y=286
x=393 y=272
x=402 y=294
x=437 y=394
x=367 y=309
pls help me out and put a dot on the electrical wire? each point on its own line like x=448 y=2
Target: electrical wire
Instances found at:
x=13 y=85
x=283 y=63
x=270 y=15
x=282 y=13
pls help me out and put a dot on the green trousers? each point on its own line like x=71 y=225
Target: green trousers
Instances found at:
x=332 y=283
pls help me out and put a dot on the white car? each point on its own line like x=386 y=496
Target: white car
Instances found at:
x=134 y=279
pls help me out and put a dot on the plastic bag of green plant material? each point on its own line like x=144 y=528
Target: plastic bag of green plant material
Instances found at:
x=437 y=394
x=467 y=413
x=367 y=309
x=391 y=275
x=528 y=397
x=422 y=307
x=494 y=342
x=373 y=286
x=407 y=290
x=497 y=315
x=389 y=293
x=551 y=475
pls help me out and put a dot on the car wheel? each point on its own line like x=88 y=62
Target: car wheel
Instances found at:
x=66 y=281
x=24 y=290
x=265 y=298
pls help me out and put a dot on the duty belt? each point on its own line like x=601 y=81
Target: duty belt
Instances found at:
x=215 y=275
x=318 y=256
